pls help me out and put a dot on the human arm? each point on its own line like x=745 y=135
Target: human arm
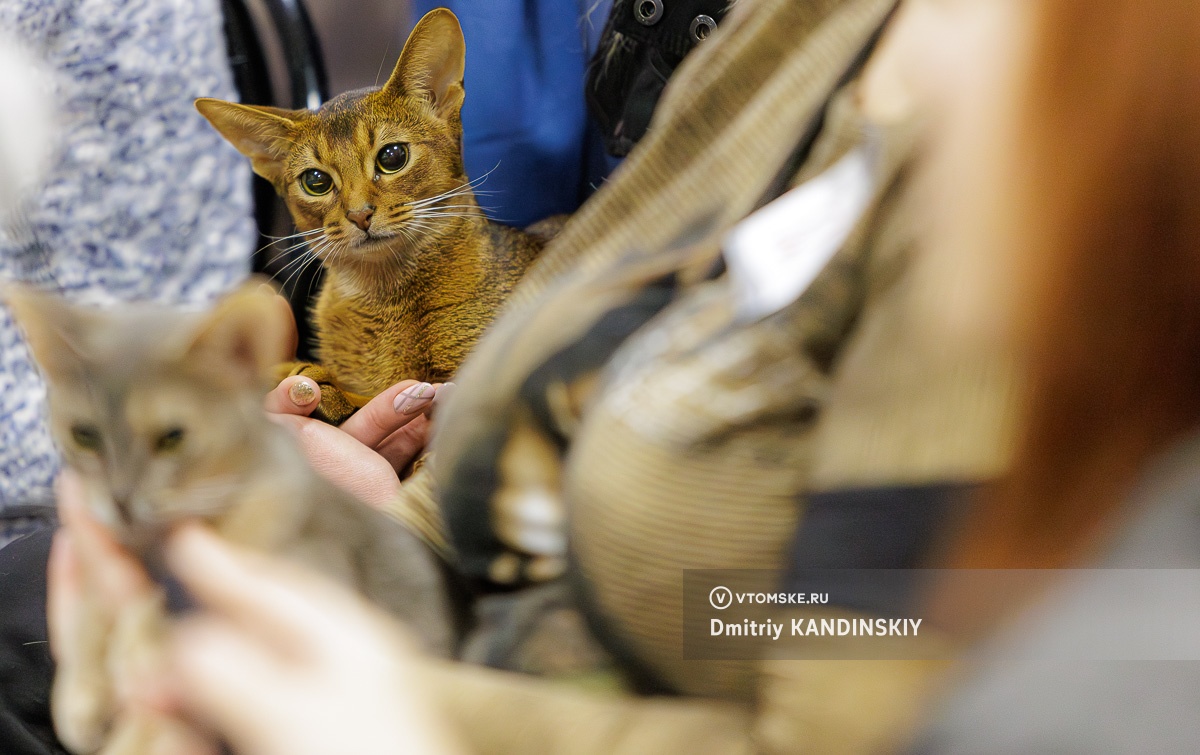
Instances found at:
x=326 y=673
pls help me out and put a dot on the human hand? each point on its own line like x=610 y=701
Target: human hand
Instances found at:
x=84 y=557
x=96 y=589
x=284 y=662
x=364 y=454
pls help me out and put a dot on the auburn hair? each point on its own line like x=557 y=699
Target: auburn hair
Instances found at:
x=1105 y=168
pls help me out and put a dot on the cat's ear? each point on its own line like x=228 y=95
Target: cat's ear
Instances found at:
x=263 y=134
x=54 y=328
x=246 y=334
x=432 y=63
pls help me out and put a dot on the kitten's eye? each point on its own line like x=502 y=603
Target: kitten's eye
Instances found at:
x=169 y=440
x=316 y=183
x=392 y=158
x=86 y=437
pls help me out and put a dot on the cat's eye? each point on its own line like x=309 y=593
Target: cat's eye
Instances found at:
x=169 y=440
x=316 y=183
x=86 y=437
x=392 y=158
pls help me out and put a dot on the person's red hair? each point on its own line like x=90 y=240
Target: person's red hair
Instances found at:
x=1105 y=177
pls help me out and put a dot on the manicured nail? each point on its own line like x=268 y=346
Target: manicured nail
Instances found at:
x=443 y=394
x=413 y=398
x=302 y=393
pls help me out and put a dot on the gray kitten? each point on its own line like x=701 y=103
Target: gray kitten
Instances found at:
x=159 y=411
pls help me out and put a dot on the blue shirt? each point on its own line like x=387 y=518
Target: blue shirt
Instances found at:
x=525 y=118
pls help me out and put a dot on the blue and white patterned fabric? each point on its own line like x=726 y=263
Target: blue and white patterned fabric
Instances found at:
x=142 y=201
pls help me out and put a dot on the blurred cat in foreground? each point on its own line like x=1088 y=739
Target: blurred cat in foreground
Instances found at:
x=159 y=414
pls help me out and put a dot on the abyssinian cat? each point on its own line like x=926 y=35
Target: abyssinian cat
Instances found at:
x=414 y=272
x=159 y=412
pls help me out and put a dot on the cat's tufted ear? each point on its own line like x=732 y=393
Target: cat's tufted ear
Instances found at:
x=246 y=334
x=54 y=328
x=263 y=134
x=432 y=63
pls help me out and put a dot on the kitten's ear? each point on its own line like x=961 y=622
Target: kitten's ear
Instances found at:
x=54 y=328
x=263 y=134
x=247 y=333
x=432 y=64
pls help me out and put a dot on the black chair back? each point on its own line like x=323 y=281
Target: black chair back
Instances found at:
x=277 y=35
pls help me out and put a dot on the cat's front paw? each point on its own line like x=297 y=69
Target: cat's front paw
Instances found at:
x=336 y=405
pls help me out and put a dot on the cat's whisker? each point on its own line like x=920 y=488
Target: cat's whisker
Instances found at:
x=441 y=217
x=426 y=215
x=408 y=236
x=314 y=254
x=480 y=179
x=291 y=247
x=417 y=225
x=461 y=189
x=449 y=197
x=306 y=262
x=298 y=260
x=294 y=235
x=424 y=227
x=300 y=245
x=282 y=239
x=290 y=266
x=416 y=219
x=439 y=198
x=311 y=282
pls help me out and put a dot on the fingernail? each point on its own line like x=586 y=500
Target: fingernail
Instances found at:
x=444 y=393
x=267 y=290
x=413 y=398
x=302 y=393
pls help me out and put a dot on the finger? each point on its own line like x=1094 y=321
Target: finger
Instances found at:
x=288 y=316
x=63 y=593
x=174 y=737
x=441 y=397
x=106 y=563
x=294 y=395
x=416 y=399
x=230 y=682
x=263 y=594
x=70 y=496
x=406 y=444
x=388 y=412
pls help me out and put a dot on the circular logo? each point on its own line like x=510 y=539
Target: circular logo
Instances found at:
x=720 y=598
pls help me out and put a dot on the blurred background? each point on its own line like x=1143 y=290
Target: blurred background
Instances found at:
x=360 y=44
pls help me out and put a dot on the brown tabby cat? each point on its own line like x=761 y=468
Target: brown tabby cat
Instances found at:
x=159 y=413
x=414 y=272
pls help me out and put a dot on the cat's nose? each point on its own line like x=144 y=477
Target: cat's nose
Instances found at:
x=361 y=218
